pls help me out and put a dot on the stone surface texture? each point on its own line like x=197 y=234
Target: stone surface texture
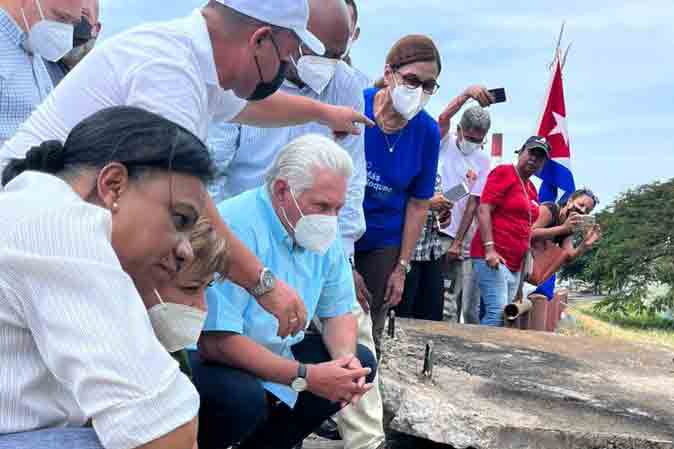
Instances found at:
x=511 y=389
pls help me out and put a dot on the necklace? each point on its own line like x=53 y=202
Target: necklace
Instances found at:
x=393 y=147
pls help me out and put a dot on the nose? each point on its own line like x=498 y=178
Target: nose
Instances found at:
x=184 y=253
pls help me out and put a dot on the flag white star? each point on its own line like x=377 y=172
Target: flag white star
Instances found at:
x=561 y=127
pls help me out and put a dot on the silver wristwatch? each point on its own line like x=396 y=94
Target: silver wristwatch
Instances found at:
x=265 y=284
x=406 y=265
x=300 y=384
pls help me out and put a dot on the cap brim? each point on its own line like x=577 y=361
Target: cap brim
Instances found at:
x=311 y=41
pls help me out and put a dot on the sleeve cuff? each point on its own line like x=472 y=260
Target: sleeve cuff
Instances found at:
x=136 y=423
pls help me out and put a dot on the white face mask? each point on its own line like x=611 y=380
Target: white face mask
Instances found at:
x=409 y=102
x=468 y=148
x=176 y=326
x=316 y=233
x=49 y=38
x=316 y=71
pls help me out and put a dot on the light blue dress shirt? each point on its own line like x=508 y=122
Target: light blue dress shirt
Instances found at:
x=325 y=283
x=244 y=154
x=24 y=79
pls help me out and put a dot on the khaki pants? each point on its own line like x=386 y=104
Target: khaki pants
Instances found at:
x=361 y=426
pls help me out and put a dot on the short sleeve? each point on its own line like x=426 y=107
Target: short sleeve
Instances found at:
x=498 y=184
x=423 y=185
x=338 y=294
x=227 y=304
x=76 y=304
x=225 y=105
x=482 y=173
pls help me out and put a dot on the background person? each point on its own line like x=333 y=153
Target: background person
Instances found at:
x=223 y=62
x=402 y=159
x=24 y=49
x=74 y=263
x=243 y=369
x=462 y=160
x=508 y=208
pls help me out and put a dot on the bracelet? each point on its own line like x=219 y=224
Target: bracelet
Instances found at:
x=489 y=243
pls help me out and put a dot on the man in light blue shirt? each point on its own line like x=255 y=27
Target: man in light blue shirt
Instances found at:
x=24 y=79
x=255 y=387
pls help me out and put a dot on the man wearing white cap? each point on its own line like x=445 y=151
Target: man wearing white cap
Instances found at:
x=223 y=62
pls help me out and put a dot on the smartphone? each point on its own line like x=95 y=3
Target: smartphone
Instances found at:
x=457 y=193
x=587 y=223
x=498 y=94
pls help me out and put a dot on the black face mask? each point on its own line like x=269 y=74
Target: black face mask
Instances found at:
x=265 y=89
x=82 y=33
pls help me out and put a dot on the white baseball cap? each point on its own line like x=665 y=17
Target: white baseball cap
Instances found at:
x=290 y=14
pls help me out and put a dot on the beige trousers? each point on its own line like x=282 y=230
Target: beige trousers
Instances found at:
x=361 y=426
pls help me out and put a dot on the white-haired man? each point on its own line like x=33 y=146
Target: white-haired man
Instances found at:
x=257 y=388
x=463 y=161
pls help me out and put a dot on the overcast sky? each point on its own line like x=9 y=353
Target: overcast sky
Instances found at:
x=619 y=78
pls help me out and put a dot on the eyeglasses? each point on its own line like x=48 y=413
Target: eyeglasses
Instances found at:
x=413 y=82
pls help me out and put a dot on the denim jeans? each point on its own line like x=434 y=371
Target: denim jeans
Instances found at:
x=236 y=409
x=56 y=438
x=498 y=287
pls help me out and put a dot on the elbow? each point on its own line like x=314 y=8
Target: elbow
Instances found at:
x=213 y=348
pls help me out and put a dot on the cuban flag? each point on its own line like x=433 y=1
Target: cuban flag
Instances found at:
x=556 y=174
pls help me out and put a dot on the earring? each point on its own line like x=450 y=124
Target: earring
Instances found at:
x=115 y=206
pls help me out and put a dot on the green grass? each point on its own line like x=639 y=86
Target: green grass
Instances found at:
x=645 y=329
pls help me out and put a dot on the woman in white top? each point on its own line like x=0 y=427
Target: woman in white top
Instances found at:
x=86 y=226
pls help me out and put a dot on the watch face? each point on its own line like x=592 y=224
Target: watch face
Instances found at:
x=299 y=384
x=268 y=280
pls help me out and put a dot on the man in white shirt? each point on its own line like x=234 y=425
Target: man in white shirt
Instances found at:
x=244 y=154
x=463 y=161
x=194 y=70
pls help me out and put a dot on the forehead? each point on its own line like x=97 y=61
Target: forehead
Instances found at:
x=179 y=189
x=424 y=70
x=328 y=186
x=586 y=200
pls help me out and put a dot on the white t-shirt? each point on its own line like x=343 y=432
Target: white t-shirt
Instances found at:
x=167 y=68
x=455 y=168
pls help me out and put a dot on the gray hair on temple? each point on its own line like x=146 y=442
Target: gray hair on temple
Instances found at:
x=476 y=119
x=299 y=160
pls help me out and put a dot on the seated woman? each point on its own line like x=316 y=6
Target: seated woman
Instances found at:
x=178 y=308
x=86 y=226
x=557 y=225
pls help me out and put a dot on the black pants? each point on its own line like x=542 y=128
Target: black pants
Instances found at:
x=423 y=295
x=235 y=408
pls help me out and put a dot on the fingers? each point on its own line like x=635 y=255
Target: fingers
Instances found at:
x=363 y=301
x=356 y=374
x=360 y=118
x=283 y=327
x=389 y=292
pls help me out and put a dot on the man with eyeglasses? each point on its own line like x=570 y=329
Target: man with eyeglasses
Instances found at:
x=462 y=162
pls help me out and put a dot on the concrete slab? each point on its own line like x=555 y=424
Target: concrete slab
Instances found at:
x=505 y=388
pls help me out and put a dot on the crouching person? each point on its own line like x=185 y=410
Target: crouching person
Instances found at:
x=258 y=389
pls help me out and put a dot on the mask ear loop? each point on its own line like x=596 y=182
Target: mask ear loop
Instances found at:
x=156 y=293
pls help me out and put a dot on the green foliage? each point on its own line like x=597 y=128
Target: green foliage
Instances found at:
x=635 y=252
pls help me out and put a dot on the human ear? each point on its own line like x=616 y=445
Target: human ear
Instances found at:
x=111 y=184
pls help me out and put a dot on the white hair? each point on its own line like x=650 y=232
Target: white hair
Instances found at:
x=299 y=160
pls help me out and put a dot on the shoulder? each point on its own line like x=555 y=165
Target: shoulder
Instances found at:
x=482 y=160
x=244 y=214
x=429 y=126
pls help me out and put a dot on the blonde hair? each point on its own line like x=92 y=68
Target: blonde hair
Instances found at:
x=211 y=253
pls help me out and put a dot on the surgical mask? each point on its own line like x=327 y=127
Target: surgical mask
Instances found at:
x=316 y=71
x=264 y=89
x=468 y=148
x=316 y=233
x=409 y=102
x=82 y=32
x=176 y=326
x=48 y=38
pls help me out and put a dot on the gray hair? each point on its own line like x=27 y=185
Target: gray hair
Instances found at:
x=476 y=119
x=298 y=161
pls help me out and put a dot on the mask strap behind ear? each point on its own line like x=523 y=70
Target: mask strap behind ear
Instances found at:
x=39 y=8
x=156 y=293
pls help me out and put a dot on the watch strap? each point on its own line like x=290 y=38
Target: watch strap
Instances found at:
x=302 y=371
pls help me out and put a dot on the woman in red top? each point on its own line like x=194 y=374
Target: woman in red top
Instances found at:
x=508 y=208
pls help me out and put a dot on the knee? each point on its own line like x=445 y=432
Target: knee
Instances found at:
x=367 y=360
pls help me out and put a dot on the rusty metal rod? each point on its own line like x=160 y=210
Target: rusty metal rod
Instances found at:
x=514 y=310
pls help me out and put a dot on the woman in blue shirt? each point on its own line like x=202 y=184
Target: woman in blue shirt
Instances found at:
x=402 y=159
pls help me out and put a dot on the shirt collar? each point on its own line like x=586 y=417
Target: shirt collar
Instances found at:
x=204 y=48
x=278 y=231
x=9 y=29
x=42 y=182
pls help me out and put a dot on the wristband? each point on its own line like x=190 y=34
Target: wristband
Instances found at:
x=489 y=243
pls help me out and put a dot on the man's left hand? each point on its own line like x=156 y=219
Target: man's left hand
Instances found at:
x=355 y=364
x=343 y=120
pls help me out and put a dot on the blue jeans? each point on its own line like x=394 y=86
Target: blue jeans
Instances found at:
x=57 y=438
x=498 y=287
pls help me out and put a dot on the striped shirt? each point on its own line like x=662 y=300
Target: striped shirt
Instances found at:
x=24 y=79
x=76 y=343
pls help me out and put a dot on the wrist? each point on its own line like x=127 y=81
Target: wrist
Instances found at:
x=403 y=266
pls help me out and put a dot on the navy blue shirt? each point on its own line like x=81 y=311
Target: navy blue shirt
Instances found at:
x=395 y=177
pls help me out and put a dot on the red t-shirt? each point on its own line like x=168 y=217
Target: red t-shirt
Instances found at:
x=511 y=227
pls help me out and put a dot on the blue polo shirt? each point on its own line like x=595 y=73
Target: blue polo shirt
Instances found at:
x=325 y=283
x=393 y=177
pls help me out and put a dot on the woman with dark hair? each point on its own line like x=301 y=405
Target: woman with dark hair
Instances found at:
x=86 y=226
x=508 y=208
x=402 y=160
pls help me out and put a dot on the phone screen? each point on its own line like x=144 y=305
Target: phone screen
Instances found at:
x=498 y=94
x=457 y=192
